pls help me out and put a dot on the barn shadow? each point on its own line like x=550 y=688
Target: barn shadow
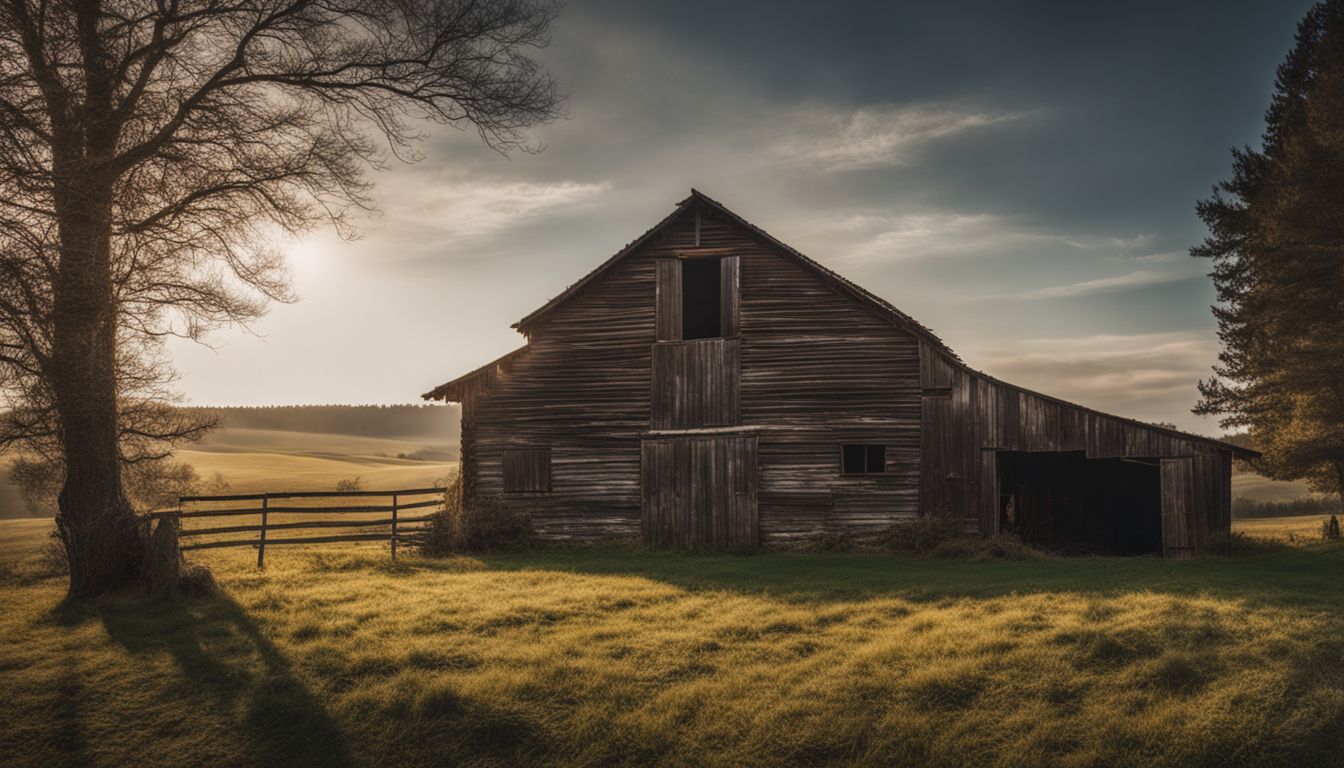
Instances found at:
x=233 y=675
x=1285 y=577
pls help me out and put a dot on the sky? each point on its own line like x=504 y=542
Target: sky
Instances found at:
x=1019 y=177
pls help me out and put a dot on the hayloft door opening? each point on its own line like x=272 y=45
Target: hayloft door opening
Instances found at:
x=699 y=492
x=701 y=299
x=1067 y=501
x=697 y=298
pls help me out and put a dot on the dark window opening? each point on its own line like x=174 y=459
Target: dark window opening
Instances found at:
x=527 y=470
x=701 y=297
x=877 y=458
x=861 y=459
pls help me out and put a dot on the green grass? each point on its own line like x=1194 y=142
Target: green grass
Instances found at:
x=614 y=656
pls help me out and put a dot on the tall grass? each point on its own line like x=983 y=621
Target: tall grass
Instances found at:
x=622 y=656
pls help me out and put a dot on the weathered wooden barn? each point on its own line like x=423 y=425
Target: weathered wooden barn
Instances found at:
x=709 y=386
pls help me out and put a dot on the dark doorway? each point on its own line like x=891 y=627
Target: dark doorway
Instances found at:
x=1072 y=503
x=701 y=299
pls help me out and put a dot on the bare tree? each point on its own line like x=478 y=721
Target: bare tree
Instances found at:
x=151 y=155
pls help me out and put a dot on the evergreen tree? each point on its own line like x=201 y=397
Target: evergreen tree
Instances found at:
x=1276 y=238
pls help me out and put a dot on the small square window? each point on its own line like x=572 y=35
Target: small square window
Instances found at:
x=527 y=470
x=863 y=459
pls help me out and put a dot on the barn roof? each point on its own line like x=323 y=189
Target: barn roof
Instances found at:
x=452 y=391
x=1236 y=450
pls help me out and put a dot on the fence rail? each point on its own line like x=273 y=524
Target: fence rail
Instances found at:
x=399 y=528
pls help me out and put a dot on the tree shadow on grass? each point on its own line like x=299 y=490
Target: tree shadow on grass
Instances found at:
x=233 y=675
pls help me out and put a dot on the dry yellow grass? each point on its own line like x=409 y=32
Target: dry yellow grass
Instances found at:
x=258 y=472
x=1293 y=529
x=613 y=656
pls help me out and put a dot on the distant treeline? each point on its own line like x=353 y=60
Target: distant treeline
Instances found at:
x=440 y=422
x=1307 y=505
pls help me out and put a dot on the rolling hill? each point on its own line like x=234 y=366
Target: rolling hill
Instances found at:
x=311 y=448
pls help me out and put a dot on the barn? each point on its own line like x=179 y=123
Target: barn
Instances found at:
x=710 y=387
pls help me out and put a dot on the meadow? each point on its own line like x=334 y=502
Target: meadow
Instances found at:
x=622 y=656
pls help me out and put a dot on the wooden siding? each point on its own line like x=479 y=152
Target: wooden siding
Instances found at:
x=695 y=383
x=668 y=300
x=700 y=492
x=1180 y=527
x=730 y=295
x=819 y=370
x=581 y=386
x=1196 y=501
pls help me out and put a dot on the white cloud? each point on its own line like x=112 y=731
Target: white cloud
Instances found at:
x=473 y=207
x=874 y=137
x=879 y=237
x=1148 y=376
x=875 y=236
x=882 y=237
x=1104 y=285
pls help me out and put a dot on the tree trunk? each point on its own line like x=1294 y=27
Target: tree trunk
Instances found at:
x=95 y=519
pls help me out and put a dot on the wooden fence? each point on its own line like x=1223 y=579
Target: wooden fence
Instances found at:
x=201 y=518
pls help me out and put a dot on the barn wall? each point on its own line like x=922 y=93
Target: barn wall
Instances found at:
x=816 y=369
x=581 y=388
x=819 y=370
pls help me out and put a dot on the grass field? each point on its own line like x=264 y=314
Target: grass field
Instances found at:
x=613 y=656
x=1295 y=528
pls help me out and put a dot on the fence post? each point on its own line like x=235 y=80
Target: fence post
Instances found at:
x=394 y=526
x=261 y=543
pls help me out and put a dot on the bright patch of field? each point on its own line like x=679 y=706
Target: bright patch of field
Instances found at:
x=256 y=460
x=258 y=472
x=1298 y=527
x=322 y=444
x=610 y=656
